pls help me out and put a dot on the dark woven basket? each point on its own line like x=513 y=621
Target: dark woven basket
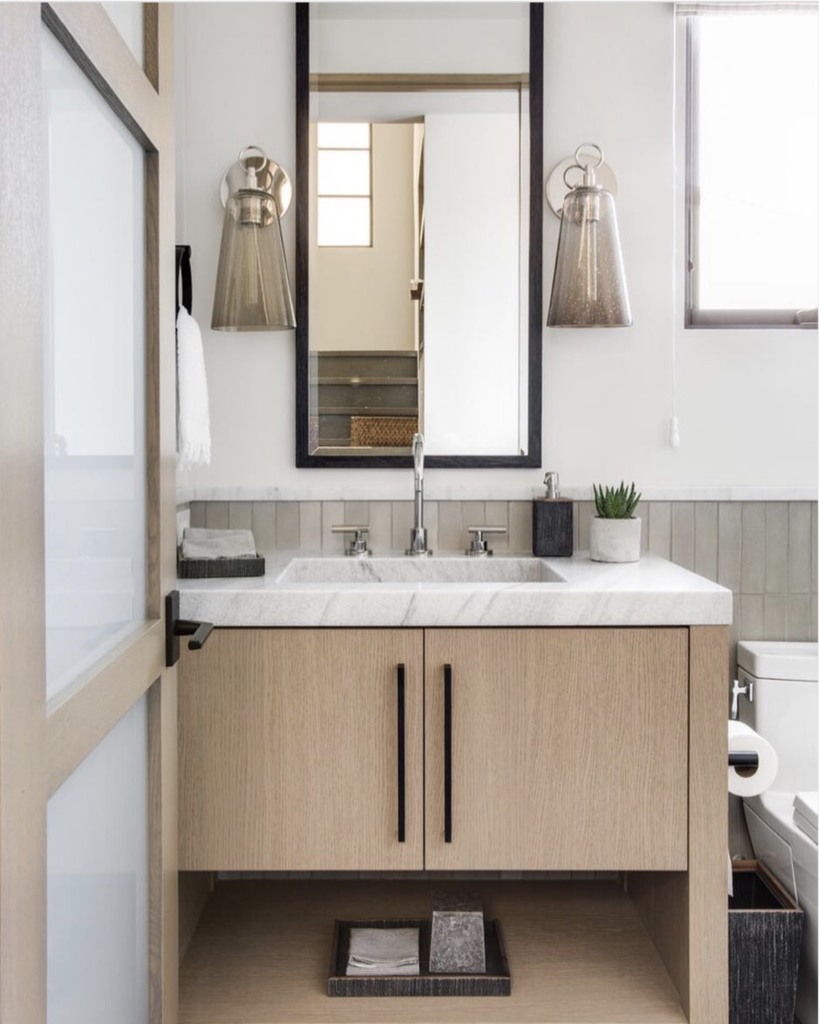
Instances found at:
x=218 y=568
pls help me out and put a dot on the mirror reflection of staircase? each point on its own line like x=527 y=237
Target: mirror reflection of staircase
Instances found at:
x=364 y=399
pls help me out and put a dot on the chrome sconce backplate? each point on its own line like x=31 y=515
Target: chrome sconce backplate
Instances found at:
x=270 y=178
x=569 y=173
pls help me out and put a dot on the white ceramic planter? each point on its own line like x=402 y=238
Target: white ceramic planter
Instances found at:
x=614 y=540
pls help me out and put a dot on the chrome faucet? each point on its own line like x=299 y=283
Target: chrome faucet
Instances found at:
x=418 y=535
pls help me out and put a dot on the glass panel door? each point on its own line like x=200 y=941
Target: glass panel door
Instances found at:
x=94 y=404
x=98 y=883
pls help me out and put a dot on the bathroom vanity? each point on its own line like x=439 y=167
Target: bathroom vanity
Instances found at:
x=514 y=719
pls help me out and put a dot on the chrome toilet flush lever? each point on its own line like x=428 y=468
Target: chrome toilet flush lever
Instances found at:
x=741 y=691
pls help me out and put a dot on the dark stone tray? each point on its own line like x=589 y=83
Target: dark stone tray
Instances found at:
x=496 y=982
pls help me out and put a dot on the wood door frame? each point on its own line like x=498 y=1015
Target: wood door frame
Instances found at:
x=40 y=744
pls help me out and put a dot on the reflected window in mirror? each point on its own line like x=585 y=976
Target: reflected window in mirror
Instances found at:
x=344 y=185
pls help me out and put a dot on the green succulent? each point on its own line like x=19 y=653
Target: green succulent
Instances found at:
x=616 y=502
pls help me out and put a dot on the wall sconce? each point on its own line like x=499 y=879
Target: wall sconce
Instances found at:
x=589 y=283
x=252 y=283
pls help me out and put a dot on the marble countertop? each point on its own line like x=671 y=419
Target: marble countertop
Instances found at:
x=571 y=592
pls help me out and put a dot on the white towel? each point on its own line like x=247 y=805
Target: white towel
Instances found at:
x=193 y=416
x=383 y=951
x=198 y=542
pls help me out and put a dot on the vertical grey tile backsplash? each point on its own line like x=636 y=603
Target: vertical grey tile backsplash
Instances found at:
x=682 y=534
x=776 y=547
x=765 y=552
x=753 y=547
x=520 y=525
x=799 y=570
x=729 y=545
x=240 y=515
x=706 y=534
x=659 y=536
x=287 y=525
x=217 y=515
x=264 y=524
x=309 y=525
x=379 y=519
x=332 y=514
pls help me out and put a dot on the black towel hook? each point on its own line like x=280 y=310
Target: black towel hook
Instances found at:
x=183 y=271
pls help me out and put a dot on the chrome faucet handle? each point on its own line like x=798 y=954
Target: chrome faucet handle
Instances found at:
x=741 y=691
x=358 y=544
x=479 y=548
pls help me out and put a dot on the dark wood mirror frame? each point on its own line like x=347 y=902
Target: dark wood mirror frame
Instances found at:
x=533 y=456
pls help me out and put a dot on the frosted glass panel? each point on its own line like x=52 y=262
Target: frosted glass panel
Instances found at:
x=94 y=373
x=98 y=894
x=129 y=19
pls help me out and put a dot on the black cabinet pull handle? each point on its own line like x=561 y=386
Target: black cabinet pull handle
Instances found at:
x=447 y=753
x=402 y=792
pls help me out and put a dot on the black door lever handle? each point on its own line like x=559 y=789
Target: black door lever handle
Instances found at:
x=176 y=627
x=197 y=631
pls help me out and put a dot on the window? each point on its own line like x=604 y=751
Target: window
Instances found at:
x=752 y=222
x=344 y=185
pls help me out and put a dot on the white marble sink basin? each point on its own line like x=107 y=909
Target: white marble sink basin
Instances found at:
x=419 y=570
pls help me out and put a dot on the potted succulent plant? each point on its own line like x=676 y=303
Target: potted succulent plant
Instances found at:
x=614 y=534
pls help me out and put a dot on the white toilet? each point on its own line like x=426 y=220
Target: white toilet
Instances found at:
x=783 y=821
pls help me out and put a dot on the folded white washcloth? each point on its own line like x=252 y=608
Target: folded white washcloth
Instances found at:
x=201 y=543
x=193 y=415
x=383 y=951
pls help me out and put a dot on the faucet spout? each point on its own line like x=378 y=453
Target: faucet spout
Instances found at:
x=418 y=535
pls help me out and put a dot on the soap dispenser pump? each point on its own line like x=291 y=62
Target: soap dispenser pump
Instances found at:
x=552 y=522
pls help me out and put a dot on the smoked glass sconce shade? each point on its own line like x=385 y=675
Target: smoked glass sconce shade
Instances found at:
x=252 y=282
x=589 y=284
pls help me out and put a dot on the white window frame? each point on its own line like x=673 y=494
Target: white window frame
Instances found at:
x=696 y=317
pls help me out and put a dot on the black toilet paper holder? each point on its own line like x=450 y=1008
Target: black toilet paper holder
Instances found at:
x=743 y=759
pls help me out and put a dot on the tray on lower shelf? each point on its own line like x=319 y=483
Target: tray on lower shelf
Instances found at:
x=495 y=982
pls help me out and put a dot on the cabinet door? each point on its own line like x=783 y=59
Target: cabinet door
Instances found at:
x=566 y=749
x=289 y=751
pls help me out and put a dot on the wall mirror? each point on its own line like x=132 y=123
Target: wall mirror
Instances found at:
x=419 y=184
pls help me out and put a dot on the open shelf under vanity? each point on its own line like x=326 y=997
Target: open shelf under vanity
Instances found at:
x=578 y=954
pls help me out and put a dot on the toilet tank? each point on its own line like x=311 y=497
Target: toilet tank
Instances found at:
x=785 y=706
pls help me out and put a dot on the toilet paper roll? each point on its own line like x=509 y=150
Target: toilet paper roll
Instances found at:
x=742 y=737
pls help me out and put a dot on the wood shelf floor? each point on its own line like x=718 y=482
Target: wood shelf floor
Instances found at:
x=577 y=951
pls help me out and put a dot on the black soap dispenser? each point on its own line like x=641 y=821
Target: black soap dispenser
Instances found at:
x=552 y=522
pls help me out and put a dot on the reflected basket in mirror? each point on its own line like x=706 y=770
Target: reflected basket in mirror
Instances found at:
x=382 y=431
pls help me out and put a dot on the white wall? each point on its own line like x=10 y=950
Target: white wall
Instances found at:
x=747 y=399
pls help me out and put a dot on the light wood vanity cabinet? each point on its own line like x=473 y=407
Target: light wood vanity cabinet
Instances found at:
x=289 y=751
x=569 y=749
x=563 y=749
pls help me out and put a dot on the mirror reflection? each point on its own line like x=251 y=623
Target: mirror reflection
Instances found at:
x=418 y=228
